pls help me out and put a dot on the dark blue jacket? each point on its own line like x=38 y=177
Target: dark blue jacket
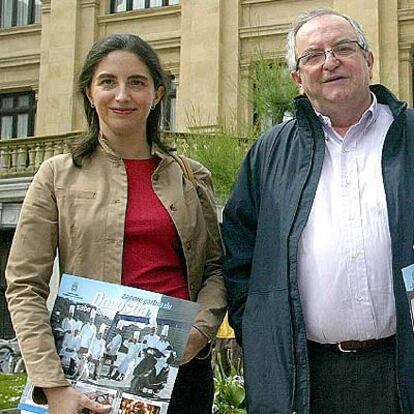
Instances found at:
x=263 y=222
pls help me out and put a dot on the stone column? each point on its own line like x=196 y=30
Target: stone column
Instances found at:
x=208 y=63
x=66 y=26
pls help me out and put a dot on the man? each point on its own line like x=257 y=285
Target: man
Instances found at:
x=112 y=348
x=317 y=230
x=151 y=339
x=134 y=348
x=96 y=352
x=88 y=333
x=69 y=351
x=68 y=324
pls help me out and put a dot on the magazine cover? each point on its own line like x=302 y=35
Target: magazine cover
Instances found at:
x=408 y=275
x=119 y=345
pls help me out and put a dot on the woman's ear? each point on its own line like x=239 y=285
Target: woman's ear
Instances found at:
x=88 y=94
x=159 y=93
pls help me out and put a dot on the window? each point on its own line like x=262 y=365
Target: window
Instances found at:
x=168 y=109
x=126 y=5
x=19 y=12
x=17 y=113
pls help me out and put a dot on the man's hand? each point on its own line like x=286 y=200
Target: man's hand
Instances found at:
x=67 y=400
x=196 y=342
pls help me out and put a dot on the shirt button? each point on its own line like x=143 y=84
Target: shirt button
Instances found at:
x=155 y=177
x=355 y=255
x=173 y=207
x=116 y=201
x=188 y=244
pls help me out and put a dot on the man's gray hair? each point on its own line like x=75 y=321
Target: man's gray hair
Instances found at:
x=304 y=18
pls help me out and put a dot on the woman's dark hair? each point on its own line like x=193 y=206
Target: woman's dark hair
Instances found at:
x=129 y=43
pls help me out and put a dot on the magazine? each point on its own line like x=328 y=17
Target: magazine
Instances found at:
x=119 y=345
x=408 y=275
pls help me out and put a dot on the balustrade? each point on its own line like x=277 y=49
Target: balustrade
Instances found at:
x=22 y=156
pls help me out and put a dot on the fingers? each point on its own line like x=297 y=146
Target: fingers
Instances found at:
x=95 y=407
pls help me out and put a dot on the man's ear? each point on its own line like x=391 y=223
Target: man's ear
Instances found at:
x=370 y=62
x=295 y=75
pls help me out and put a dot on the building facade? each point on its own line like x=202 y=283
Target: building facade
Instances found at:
x=206 y=46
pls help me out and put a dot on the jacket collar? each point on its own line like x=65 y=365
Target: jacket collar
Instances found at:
x=107 y=149
x=383 y=95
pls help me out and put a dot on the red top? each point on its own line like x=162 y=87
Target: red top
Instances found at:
x=152 y=258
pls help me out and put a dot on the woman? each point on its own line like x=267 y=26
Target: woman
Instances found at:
x=119 y=209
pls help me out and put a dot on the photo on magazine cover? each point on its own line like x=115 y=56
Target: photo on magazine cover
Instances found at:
x=120 y=338
x=134 y=405
x=408 y=275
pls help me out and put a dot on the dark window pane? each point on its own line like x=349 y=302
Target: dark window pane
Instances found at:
x=22 y=12
x=6 y=127
x=155 y=3
x=6 y=13
x=7 y=103
x=23 y=100
x=38 y=11
x=138 y=4
x=22 y=125
x=120 y=5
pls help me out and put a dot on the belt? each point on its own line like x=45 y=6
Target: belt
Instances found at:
x=354 y=346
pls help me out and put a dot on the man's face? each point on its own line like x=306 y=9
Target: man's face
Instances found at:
x=339 y=81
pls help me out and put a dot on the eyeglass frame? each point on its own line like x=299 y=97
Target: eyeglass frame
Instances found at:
x=331 y=51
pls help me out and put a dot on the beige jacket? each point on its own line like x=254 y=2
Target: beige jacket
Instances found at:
x=80 y=212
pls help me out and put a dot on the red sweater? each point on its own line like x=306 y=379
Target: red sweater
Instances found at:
x=152 y=256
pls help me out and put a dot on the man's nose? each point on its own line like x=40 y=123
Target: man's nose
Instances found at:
x=331 y=62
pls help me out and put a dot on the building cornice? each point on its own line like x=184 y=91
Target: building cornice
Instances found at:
x=405 y=14
x=14 y=189
x=31 y=84
x=20 y=60
x=169 y=40
x=46 y=6
x=264 y=30
x=89 y=3
x=21 y=30
x=248 y=2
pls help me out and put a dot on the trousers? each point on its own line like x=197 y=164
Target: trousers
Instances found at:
x=362 y=382
x=193 y=390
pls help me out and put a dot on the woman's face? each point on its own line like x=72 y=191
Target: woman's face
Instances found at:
x=122 y=91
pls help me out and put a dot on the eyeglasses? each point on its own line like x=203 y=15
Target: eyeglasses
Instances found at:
x=318 y=57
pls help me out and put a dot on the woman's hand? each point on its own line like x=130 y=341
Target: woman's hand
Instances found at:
x=67 y=400
x=196 y=342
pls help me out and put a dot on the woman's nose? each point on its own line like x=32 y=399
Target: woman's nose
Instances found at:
x=122 y=93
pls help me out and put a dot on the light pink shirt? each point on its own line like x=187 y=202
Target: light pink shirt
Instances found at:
x=345 y=273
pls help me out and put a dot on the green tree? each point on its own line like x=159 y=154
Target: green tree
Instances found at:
x=273 y=92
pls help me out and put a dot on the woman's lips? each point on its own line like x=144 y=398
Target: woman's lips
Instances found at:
x=122 y=111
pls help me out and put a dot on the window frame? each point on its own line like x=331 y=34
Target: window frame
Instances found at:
x=15 y=110
x=31 y=16
x=147 y=6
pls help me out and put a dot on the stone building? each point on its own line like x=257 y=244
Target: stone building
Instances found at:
x=207 y=47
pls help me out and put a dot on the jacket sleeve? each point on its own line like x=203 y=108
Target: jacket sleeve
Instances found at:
x=212 y=295
x=239 y=234
x=28 y=273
